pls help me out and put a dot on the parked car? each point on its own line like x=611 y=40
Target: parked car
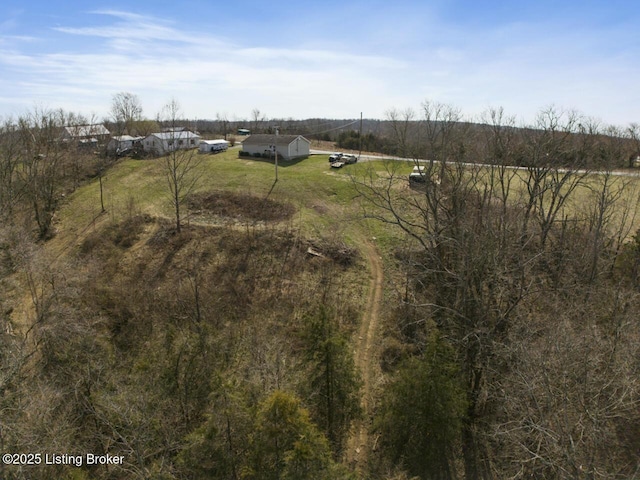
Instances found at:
x=417 y=175
x=335 y=157
x=349 y=159
x=420 y=177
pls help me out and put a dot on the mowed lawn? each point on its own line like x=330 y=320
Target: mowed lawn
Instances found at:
x=323 y=197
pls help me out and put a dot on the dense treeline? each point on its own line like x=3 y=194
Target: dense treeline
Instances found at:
x=579 y=141
x=368 y=142
x=402 y=133
x=516 y=333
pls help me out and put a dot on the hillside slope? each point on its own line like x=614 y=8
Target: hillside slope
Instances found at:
x=161 y=347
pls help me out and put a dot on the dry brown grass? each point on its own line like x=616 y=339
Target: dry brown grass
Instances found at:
x=240 y=206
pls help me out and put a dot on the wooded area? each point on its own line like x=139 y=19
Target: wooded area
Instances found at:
x=515 y=334
x=510 y=339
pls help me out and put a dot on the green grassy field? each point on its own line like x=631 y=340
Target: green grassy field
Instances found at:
x=325 y=199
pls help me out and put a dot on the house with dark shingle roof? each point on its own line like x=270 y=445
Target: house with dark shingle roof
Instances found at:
x=289 y=146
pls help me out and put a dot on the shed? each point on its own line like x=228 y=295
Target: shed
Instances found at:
x=208 y=146
x=123 y=143
x=289 y=146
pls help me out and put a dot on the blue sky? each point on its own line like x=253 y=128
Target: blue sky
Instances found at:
x=332 y=59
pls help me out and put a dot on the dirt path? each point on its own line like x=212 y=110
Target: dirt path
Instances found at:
x=358 y=444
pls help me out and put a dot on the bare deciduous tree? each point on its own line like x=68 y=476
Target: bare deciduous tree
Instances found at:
x=634 y=134
x=126 y=110
x=401 y=126
x=181 y=164
x=43 y=155
x=223 y=121
x=10 y=155
x=257 y=119
x=501 y=254
x=570 y=390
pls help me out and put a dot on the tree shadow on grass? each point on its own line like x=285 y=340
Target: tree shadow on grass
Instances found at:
x=281 y=163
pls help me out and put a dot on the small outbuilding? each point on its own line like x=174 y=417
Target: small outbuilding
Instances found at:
x=121 y=144
x=213 y=146
x=289 y=146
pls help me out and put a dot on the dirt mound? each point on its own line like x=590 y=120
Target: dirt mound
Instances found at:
x=240 y=206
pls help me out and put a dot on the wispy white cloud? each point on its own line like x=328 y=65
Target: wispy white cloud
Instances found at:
x=158 y=60
x=519 y=65
x=134 y=27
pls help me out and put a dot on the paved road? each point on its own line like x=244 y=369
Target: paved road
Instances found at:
x=369 y=158
x=363 y=158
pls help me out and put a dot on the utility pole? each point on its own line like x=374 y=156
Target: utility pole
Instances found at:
x=360 y=138
x=276 y=153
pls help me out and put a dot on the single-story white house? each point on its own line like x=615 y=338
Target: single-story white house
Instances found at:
x=164 y=142
x=208 y=146
x=122 y=143
x=289 y=146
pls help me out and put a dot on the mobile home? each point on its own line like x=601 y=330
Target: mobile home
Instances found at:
x=213 y=146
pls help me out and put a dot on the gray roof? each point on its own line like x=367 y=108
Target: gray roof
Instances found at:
x=126 y=138
x=175 y=135
x=79 y=131
x=264 y=139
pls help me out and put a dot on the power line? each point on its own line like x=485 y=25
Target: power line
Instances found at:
x=332 y=129
x=328 y=122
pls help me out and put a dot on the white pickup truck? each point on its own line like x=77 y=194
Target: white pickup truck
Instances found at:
x=338 y=160
x=420 y=177
x=417 y=175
